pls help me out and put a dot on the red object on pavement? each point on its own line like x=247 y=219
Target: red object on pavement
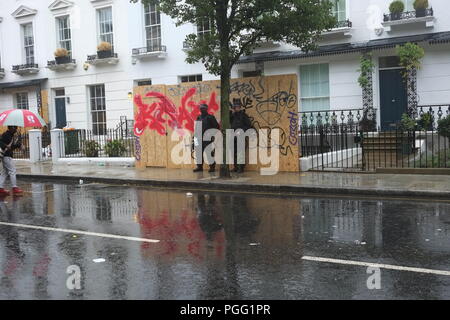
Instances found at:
x=4 y=192
x=17 y=190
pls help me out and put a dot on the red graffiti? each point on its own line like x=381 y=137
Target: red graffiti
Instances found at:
x=179 y=234
x=163 y=114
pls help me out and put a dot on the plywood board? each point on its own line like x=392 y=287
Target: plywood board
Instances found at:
x=44 y=107
x=192 y=94
x=152 y=142
x=271 y=103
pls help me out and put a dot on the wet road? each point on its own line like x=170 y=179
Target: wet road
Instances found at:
x=134 y=243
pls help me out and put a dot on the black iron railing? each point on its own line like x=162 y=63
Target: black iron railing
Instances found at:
x=108 y=55
x=55 y=63
x=85 y=144
x=25 y=66
x=350 y=140
x=408 y=15
x=149 y=49
x=125 y=126
x=24 y=151
x=344 y=24
x=186 y=45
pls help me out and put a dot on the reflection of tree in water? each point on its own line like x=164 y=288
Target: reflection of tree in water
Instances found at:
x=245 y=223
x=231 y=214
x=208 y=217
x=118 y=259
x=74 y=249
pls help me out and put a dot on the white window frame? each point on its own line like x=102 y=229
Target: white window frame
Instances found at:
x=409 y=5
x=28 y=59
x=60 y=42
x=97 y=127
x=21 y=103
x=337 y=12
x=204 y=28
x=152 y=44
x=302 y=96
x=105 y=36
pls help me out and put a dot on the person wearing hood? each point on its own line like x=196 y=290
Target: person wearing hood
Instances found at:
x=239 y=120
x=208 y=121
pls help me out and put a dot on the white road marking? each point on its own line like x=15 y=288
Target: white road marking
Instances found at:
x=94 y=234
x=377 y=265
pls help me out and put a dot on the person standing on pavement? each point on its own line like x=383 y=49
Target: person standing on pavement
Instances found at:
x=9 y=141
x=208 y=121
x=239 y=120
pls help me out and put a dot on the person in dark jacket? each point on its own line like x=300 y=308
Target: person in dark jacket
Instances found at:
x=239 y=120
x=208 y=122
x=9 y=141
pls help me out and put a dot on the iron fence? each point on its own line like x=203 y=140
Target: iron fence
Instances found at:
x=85 y=144
x=23 y=152
x=349 y=140
x=408 y=15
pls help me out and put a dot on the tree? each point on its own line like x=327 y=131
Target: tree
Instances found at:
x=238 y=26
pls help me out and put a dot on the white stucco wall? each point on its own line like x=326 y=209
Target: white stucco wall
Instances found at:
x=119 y=79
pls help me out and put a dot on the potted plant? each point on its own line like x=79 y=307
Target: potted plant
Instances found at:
x=115 y=148
x=421 y=7
x=396 y=8
x=91 y=149
x=62 y=56
x=104 y=50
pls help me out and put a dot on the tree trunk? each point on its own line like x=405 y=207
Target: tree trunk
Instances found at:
x=225 y=117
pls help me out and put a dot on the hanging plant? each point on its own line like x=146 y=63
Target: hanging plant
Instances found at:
x=366 y=70
x=410 y=55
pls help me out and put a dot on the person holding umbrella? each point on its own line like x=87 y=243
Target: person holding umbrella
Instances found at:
x=9 y=141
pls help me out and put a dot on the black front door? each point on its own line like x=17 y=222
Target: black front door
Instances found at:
x=393 y=98
x=60 y=108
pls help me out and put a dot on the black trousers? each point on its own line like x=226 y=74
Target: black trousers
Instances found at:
x=201 y=155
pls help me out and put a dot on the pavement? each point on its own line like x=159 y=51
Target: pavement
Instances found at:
x=310 y=183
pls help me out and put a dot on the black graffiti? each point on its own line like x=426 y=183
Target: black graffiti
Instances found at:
x=248 y=89
x=272 y=109
x=181 y=90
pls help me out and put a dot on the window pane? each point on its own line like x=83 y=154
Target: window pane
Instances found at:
x=339 y=10
x=98 y=107
x=105 y=25
x=152 y=27
x=315 y=87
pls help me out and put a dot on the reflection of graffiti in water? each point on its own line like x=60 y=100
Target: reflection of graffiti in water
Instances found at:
x=162 y=113
x=180 y=234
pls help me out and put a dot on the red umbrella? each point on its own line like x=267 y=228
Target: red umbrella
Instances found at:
x=21 y=118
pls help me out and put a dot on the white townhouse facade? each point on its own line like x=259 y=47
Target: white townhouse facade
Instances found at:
x=90 y=91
